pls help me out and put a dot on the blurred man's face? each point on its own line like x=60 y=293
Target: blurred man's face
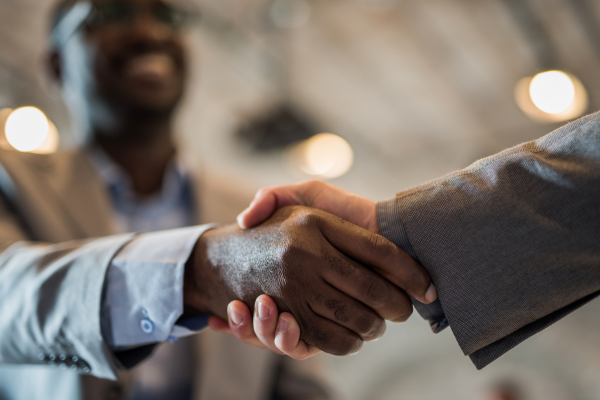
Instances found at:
x=135 y=57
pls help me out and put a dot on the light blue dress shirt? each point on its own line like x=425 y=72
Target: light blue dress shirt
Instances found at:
x=143 y=293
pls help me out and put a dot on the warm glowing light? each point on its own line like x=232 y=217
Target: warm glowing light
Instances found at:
x=50 y=145
x=325 y=155
x=552 y=92
x=27 y=129
x=551 y=96
x=4 y=114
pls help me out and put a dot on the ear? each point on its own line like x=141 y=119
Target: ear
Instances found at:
x=54 y=66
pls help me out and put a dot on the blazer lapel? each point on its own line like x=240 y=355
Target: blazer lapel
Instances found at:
x=79 y=194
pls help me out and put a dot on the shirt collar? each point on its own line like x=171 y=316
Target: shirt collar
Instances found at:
x=176 y=182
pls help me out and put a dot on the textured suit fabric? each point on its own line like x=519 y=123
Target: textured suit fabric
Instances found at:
x=512 y=242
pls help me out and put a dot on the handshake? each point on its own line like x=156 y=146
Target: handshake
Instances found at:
x=313 y=253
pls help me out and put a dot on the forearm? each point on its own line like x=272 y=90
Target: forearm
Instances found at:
x=93 y=301
x=50 y=299
x=511 y=240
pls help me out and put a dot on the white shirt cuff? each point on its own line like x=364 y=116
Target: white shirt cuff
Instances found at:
x=143 y=293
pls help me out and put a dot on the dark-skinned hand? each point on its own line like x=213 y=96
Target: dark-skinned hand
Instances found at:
x=338 y=280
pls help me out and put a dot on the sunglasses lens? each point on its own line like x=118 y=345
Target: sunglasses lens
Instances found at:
x=171 y=16
x=113 y=12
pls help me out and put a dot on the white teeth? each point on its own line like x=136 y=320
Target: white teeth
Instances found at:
x=154 y=65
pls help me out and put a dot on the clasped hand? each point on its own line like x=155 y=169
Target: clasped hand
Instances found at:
x=325 y=268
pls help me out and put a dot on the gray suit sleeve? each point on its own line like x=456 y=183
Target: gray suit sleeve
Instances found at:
x=50 y=304
x=512 y=242
x=50 y=300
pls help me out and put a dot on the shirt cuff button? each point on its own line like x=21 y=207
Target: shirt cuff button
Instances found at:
x=147 y=326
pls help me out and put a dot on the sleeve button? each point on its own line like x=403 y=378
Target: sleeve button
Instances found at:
x=147 y=326
x=51 y=357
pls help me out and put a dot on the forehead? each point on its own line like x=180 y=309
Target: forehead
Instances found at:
x=134 y=2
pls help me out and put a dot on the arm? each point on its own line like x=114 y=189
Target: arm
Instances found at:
x=511 y=242
x=51 y=295
x=50 y=298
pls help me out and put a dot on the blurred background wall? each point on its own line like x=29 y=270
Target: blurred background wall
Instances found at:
x=417 y=89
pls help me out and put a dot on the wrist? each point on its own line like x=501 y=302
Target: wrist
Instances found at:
x=207 y=278
x=195 y=298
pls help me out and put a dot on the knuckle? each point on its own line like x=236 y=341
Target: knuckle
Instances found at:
x=346 y=345
x=370 y=327
x=404 y=314
x=339 y=310
x=380 y=247
x=307 y=218
x=338 y=343
x=291 y=253
x=375 y=291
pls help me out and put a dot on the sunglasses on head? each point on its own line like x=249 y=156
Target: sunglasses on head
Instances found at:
x=116 y=12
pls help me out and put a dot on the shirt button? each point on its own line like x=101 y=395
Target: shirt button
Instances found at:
x=147 y=326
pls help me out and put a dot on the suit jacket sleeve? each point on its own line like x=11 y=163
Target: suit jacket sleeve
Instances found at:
x=512 y=242
x=50 y=298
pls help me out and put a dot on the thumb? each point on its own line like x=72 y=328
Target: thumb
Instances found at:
x=266 y=202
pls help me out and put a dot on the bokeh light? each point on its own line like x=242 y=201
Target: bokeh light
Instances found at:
x=51 y=143
x=289 y=14
x=27 y=129
x=4 y=114
x=551 y=96
x=324 y=155
x=552 y=92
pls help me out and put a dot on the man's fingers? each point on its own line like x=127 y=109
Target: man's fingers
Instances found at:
x=287 y=339
x=314 y=193
x=329 y=336
x=382 y=255
x=349 y=312
x=265 y=321
x=240 y=323
x=372 y=290
x=218 y=324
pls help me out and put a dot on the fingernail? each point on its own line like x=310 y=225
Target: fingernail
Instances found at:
x=431 y=294
x=284 y=324
x=258 y=193
x=236 y=317
x=263 y=310
x=240 y=218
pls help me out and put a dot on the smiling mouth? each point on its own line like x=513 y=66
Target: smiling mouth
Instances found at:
x=155 y=67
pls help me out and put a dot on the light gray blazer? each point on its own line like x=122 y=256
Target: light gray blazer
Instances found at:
x=512 y=242
x=51 y=279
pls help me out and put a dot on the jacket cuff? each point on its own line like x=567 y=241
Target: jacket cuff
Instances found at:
x=392 y=228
